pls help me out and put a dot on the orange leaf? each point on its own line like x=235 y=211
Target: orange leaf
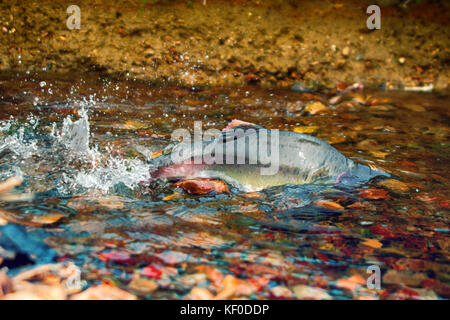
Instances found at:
x=48 y=218
x=172 y=196
x=352 y=283
x=374 y=193
x=373 y=243
x=328 y=205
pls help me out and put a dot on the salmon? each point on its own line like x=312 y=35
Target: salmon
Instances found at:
x=252 y=158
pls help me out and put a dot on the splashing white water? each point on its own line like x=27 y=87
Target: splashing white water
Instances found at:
x=16 y=142
x=77 y=165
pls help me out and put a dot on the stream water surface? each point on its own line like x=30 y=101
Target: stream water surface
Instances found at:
x=82 y=147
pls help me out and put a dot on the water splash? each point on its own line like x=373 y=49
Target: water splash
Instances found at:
x=74 y=165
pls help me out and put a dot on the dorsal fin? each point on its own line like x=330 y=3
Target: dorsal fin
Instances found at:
x=241 y=124
x=237 y=129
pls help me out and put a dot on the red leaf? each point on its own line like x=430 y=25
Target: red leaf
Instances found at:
x=151 y=272
x=439 y=287
x=382 y=232
x=115 y=256
x=202 y=186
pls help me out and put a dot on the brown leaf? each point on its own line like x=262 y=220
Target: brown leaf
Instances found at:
x=373 y=243
x=403 y=277
x=374 y=193
x=316 y=107
x=394 y=185
x=252 y=195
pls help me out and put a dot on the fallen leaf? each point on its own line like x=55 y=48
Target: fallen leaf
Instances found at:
x=172 y=196
x=252 y=195
x=199 y=294
x=47 y=218
x=6 y=284
x=316 y=107
x=306 y=292
x=32 y=291
x=214 y=275
x=373 y=243
x=306 y=129
x=104 y=292
x=328 y=205
x=157 y=154
x=379 y=154
x=352 y=283
x=378 y=230
x=363 y=205
x=336 y=139
x=281 y=292
x=368 y=144
x=151 y=272
x=115 y=256
x=12 y=217
x=229 y=289
x=374 y=193
x=202 y=186
x=141 y=285
x=412 y=279
x=110 y=202
x=394 y=185
x=414 y=107
x=10 y=183
x=133 y=125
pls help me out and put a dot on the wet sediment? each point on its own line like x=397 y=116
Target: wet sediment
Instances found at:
x=268 y=43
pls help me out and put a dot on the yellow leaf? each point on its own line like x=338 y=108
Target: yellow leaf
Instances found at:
x=379 y=154
x=156 y=154
x=172 y=196
x=373 y=243
x=336 y=139
x=306 y=129
x=327 y=246
x=316 y=107
x=133 y=124
x=394 y=185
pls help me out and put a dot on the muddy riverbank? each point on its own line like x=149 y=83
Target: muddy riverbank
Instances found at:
x=268 y=43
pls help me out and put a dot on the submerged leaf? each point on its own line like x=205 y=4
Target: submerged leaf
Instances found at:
x=104 y=292
x=202 y=186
